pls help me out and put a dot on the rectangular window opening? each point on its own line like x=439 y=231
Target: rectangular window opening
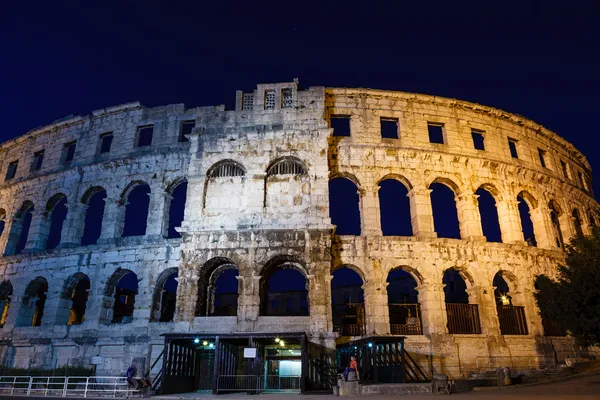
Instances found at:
x=69 y=151
x=436 y=132
x=286 y=98
x=512 y=145
x=12 y=170
x=186 y=129
x=38 y=160
x=389 y=128
x=106 y=140
x=340 y=125
x=582 y=181
x=565 y=169
x=478 y=139
x=144 y=135
x=542 y=155
x=248 y=102
x=269 y=99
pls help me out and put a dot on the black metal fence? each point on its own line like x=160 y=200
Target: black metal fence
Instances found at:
x=463 y=318
x=349 y=319
x=512 y=320
x=405 y=319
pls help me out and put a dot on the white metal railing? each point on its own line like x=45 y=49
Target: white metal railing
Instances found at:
x=258 y=383
x=65 y=386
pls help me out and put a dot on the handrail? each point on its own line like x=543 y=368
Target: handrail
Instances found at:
x=64 y=386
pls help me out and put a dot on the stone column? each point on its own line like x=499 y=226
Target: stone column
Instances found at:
x=421 y=213
x=155 y=227
x=319 y=300
x=483 y=296
x=534 y=319
x=143 y=305
x=187 y=294
x=72 y=229
x=433 y=308
x=542 y=227
x=112 y=222
x=370 y=213
x=510 y=221
x=248 y=300
x=38 y=232
x=377 y=313
x=566 y=226
x=467 y=207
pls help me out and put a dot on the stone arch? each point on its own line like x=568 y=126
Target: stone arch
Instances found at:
x=397 y=177
x=55 y=215
x=347 y=301
x=412 y=271
x=286 y=185
x=511 y=314
x=462 y=312
x=352 y=267
x=165 y=296
x=346 y=175
x=208 y=289
x=344 y=206
x=226 y=168
x=136 y=199
x=176 y=194
x=94 y=198
x=73 y=300
x=229 y=173
x=287 y=165
x=31 y=311
x=120 y=292
x=529 y=198
x=525 y=204
x=6 y=292
x=403 y=301
x=19 y=230
x=443 y=204
x=448 y=183
x=457 y=281
x=394 y=207
x=487 y=199
x=291 y=270
x=577 y=222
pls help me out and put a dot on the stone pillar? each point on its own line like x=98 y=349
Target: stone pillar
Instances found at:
x=542 y=227
x=467 y=207
x=52 y=309
x=143 y=305
x=566 y=226
x=38 y=232
x=510 y=221
x=370 y=212
x=112 y=222
x=421 y=213
x=534 y=319
x=433 y=308
x=248 y=300
x=155 y=227
x=483 y=296
x=377 y=313
x=187 y=294
x=319 y=300
x=72 y=229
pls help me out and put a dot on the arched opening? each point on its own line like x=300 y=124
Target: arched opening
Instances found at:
x=555 y=214
x=125 y=286
x=73 y=302
x=94 y=213
x=592 y=221
x=31 y=312
x=6 y=291
x=445 y=216
x=525 y=206
x=165 y=296
x=2 y=220
x=577 y=222
x=347 y=302
x=218 y=288
x=394 y=206
x=56 y=213
x=551 y=327
x=403 y=303
x=511 y=317
x=344 y=206
x=489 y=215
x=286 y=185
x=178 y=197
x=136 y=210
x=462 y=316
x=226 y=176
x=20 y=228
x=283 y=289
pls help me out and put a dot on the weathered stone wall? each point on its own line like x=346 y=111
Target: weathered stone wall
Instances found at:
x=256 y=221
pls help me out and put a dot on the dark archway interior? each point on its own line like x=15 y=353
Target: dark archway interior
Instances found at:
x=501 y=286
x=25 y=219
x=35 y=301
x=455 y=289
x=125 y=292
x=347 y=302
x=58 y=214
x=445 y=216
x=93 y=218
x=136 y=211
x=526 y=223
x=169 y=298
x=554 y=214
x=225 y=294
x=403 y=298
x=177 y=209
x=6 y=291
x=490 y=224
x=344 y=206
x=79 y=301
x=395 y=208
x=284 y=292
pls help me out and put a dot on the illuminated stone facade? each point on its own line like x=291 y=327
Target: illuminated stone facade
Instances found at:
x=257 y=199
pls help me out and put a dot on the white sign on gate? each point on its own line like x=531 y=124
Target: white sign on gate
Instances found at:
x=250 y=352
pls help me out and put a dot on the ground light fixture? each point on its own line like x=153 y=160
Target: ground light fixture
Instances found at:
x=196 y=340
x=205 y=343
x=277 y=340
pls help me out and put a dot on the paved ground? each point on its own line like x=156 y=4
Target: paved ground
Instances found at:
x=582 y=388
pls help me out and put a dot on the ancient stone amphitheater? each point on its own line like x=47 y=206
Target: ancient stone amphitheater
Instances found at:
x=83 y=284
